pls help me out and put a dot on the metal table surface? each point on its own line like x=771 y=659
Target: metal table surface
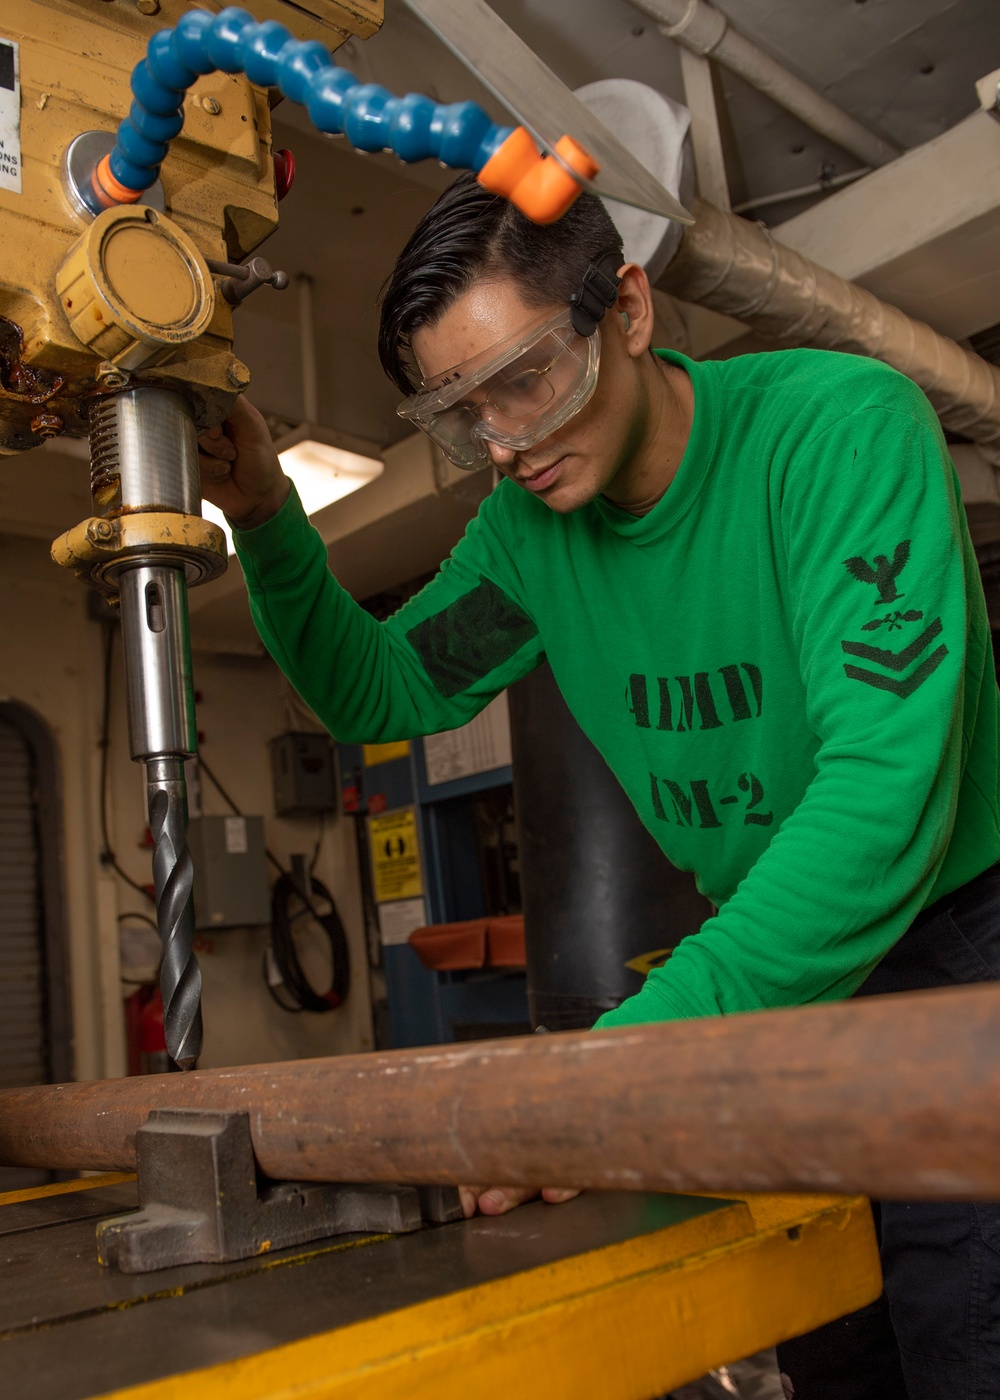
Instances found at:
x=420 y=1314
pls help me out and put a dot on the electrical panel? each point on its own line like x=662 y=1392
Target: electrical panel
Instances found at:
x=230 y=872
x=303 y=774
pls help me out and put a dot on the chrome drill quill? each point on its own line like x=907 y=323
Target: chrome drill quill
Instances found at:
x=144 y=458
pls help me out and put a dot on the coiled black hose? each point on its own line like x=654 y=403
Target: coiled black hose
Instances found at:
x=285 y=954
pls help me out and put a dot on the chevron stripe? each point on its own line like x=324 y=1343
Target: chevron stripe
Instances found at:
x=893 y=660
x=900 y=688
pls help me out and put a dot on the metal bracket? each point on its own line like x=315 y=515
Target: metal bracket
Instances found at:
x=96 y=548
x=200 y=1201
x=83 y=155
x=988 y=89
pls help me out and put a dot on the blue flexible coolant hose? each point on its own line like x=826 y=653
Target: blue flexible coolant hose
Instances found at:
x=459 y=134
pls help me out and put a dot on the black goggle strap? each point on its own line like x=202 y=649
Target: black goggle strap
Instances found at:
x=598 y=291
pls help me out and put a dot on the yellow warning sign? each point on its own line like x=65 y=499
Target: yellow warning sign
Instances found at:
x=395 y=855
x=384 y=753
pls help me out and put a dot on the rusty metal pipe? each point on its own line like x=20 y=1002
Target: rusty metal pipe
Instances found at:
x=737 y=267
x=895 y=1096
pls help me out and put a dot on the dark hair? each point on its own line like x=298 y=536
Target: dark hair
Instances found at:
x=469 y=233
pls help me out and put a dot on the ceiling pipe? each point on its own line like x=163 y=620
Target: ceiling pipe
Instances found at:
x=827 y=186
x=703 y=29
x=734 y=266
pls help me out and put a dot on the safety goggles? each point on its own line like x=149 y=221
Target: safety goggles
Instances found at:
x=514 y=393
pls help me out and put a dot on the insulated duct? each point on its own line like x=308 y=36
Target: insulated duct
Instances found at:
x=736 y=267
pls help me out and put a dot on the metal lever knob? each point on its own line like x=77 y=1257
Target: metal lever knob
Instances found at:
x=240 y=279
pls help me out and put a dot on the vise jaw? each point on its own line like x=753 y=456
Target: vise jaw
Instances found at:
x=200 y=1200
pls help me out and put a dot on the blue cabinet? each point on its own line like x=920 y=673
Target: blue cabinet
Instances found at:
x=469 y=871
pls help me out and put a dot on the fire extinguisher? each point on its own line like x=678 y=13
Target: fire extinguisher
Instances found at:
x=153 y=1056
x=147 y=1046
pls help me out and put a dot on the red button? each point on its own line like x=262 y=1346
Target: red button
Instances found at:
x=284 y=172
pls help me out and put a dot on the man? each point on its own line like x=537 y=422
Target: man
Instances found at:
x=756 y=590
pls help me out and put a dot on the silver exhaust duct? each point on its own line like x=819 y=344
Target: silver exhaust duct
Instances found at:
x=734 y=266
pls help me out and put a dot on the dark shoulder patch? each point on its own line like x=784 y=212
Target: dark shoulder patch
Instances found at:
x=470 y=637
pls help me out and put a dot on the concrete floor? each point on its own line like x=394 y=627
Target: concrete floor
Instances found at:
x=756 y=1378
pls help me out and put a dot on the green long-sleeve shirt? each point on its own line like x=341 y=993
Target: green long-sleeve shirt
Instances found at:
x=786 y=663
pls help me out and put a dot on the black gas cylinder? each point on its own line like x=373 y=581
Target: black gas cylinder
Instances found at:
x=602 y=904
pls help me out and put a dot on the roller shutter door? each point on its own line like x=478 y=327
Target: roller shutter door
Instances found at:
x=24 y=1057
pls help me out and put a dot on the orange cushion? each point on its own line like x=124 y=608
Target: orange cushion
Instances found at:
x=470 y=944
x=451 y=947
x=505 y=941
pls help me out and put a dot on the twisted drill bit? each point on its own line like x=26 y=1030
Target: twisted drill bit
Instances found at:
x=173 y=877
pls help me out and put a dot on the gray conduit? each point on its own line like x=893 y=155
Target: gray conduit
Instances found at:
x=705 y=30
x=835 y=182
x=735 y=266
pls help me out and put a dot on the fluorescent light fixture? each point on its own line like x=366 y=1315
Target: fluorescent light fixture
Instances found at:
x=323 y=471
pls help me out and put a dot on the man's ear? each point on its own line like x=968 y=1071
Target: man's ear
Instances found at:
x=635 y=302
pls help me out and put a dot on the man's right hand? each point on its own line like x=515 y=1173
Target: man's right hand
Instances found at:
x=240 y=471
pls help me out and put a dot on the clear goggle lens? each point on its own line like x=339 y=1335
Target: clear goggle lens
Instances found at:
x=514 y=394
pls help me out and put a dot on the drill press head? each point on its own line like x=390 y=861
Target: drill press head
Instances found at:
x=144 y=310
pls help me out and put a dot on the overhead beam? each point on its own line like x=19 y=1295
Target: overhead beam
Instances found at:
x=706 y=138
x=921 y=233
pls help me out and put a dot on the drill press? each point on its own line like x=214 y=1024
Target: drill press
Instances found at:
x=118 y=328
x=136 y=288
x=122 y=334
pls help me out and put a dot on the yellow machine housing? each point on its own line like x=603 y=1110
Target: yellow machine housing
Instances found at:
x=85 y=303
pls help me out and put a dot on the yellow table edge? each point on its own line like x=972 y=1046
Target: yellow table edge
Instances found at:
x=63 y=1188
x=644 y=1316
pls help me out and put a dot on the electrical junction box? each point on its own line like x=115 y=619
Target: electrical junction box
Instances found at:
x=230 y=872
x=303 y=775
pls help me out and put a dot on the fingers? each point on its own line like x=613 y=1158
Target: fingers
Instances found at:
x=214 y=444
x=469 y=1196
x=244 y=418
x=216 y=456
x=493 y=1200
x=498 y=1200
x=213 y=470
x=245 y=424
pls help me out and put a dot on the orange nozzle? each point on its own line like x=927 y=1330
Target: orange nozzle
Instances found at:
x=537 y=184
x=109 y=190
